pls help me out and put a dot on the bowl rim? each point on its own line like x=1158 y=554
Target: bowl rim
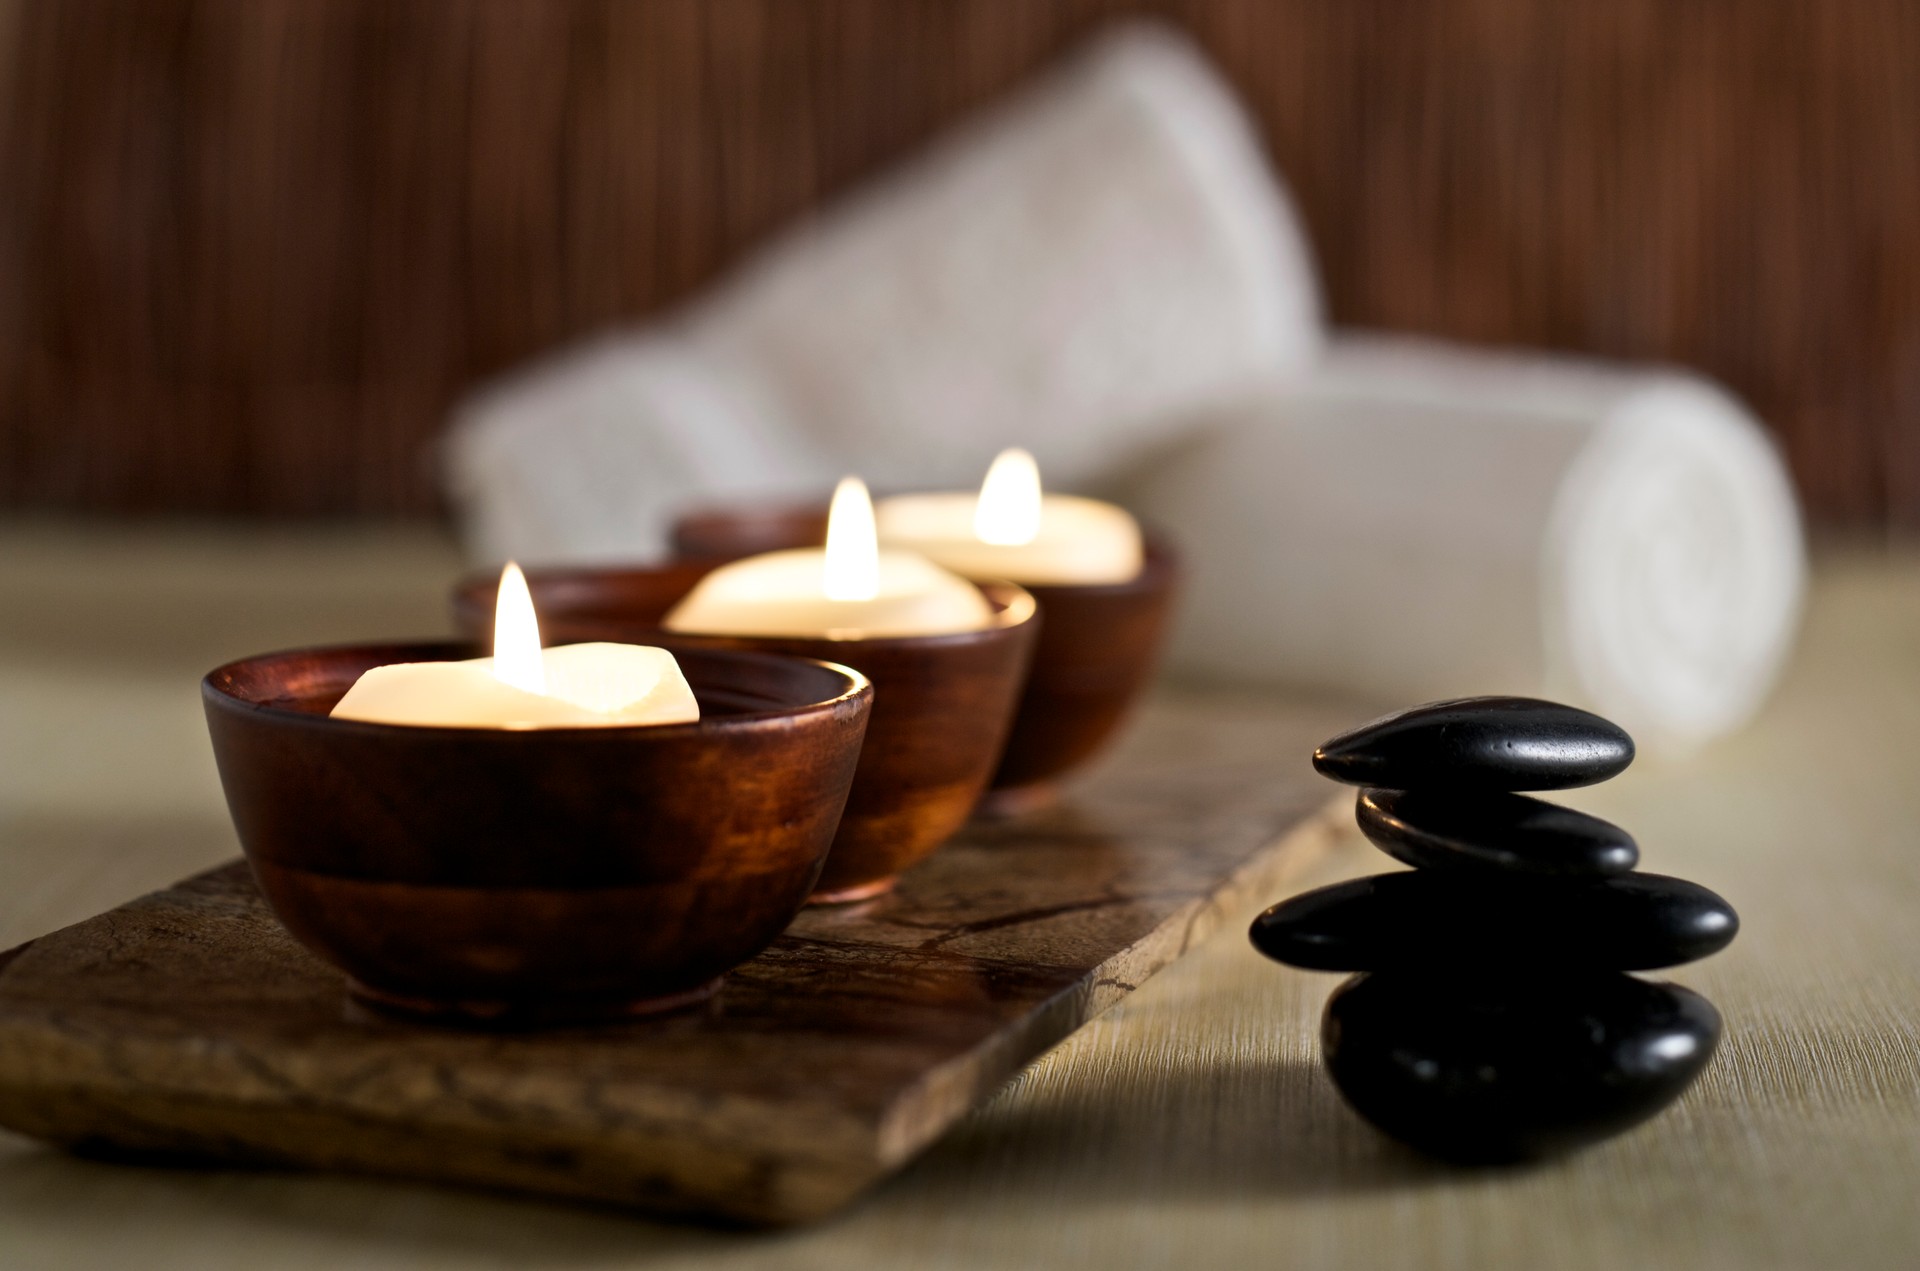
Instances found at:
x=477 y=581
x=1159 y=566
x=218 y=696
x=1160 y=555
x=1015 y=608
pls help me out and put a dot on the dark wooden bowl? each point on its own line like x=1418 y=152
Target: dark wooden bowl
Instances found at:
x=578 y=605
x=1099 y=647
x=942 y=704
x=1099 y=644
x=718 y=534
x=516 y=877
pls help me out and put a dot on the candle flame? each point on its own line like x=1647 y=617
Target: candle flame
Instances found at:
x=516 y=635
x=1008 y=513
x=853 y=546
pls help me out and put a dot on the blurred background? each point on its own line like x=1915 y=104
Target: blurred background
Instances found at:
x=253 y=250
x=1659 y=264
x=266 y=265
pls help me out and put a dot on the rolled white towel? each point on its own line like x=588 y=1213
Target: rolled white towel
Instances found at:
x=1415 y=520
x=1077 y=271
x=584 y=456
x=1070 y=272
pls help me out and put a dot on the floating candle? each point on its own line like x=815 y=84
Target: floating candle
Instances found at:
x=525 y=686
x=848 y=590
x=1012 y=531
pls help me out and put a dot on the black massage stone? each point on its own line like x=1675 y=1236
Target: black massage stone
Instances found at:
x=1479 y=744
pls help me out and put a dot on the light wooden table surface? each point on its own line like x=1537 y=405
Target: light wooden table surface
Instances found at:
x=1188 y=1127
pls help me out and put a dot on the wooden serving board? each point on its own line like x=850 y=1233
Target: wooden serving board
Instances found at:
x=188 y=1024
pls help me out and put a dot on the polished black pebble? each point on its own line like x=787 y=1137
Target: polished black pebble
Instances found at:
x=1432 y=829
x=1479 y=743
x=1512 y=1070
x=1427 y=918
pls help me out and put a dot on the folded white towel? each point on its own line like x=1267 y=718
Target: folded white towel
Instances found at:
x=1415 y=520
x=1075 y=271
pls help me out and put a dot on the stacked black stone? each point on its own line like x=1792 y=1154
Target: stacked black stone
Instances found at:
x=1494 y=1021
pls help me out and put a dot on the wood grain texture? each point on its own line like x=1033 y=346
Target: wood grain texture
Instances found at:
x=189 y=1024
x=516 y=876
x=254 y=247
x=942 y=703
x=1098 y=646
x=1189 y=1126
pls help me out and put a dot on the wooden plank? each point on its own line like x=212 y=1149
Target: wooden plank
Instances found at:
x=188 y=1024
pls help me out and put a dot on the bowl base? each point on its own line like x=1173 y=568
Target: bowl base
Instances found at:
x=1008 y=802
x=857 y=892
x=513 y=1015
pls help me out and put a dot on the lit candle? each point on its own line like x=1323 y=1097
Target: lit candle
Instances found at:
x=848 y=590
x=525 y=686
x=1012 y=531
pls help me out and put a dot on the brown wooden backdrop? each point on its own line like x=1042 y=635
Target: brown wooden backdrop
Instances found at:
x=250 y=249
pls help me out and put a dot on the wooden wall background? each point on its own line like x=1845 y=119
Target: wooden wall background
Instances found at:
x=250 y=249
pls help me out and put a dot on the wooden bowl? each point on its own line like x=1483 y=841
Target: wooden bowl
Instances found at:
x=942 y=704
x=1099 y=647
x=717 y=534
x=537 y=876
x=1099 y=644
x=580 y=605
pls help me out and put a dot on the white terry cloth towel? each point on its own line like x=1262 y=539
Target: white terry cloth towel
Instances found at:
x=1077 y=270
x=1415 y=521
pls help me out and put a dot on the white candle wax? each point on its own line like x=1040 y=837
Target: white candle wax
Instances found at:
x=847 y=590
x=587 y=686
x=780 y=593
x=524 y=686
x=1011 y=530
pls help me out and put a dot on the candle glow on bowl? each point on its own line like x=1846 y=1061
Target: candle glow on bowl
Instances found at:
x=1013 y=530
x=847 y=590
x=1103 y=619
x=522 y=686
x=521 y=877
x=947 y=657
x=944 y=687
